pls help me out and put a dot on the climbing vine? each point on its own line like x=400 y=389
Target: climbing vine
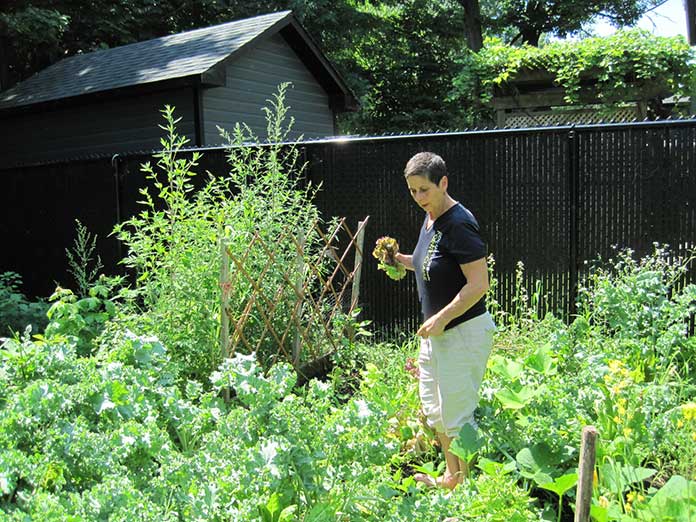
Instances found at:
x=631 y=65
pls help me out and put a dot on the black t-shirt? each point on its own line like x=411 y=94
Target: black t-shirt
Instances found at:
x=454 y=239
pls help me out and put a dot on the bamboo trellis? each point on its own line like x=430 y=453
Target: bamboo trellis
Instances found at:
x=286 y=297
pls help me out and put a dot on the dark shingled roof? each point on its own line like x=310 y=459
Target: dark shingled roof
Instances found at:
x=174 y=56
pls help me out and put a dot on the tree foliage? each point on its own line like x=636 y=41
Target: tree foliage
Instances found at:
x=407 y=67
x=400 y=57
x=36 y=33
x=527 y=20
x=631 y=65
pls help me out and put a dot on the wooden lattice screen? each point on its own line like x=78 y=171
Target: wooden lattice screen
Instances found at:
x=533 y=118
x=289 y=297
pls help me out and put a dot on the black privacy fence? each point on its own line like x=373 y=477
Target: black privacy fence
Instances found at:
x=553 y=199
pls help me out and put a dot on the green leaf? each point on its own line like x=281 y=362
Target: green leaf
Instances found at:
x=321 y=513
x=537 y=463
x=273 y=505
x=540 y=360
x=598 y=513
x=516 y=400
x=506 y=368
x=676 y=500
x=265 y=514
x=492 y=468
x=428 y=468
x=618 y=477
x=287 y=515
x=467 y=444
x=562 y=484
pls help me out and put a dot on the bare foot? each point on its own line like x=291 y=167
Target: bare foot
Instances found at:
x=443 y=481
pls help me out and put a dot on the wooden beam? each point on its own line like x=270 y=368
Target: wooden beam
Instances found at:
x=690 y=6
x=548 y=98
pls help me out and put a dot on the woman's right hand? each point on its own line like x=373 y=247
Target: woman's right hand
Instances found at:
x=405 y=260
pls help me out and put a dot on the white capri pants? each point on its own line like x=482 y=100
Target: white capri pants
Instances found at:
x=451 y=370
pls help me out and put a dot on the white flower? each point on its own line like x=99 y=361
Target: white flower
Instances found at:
x=269 y=451
x=363 y=409
x=487 y=392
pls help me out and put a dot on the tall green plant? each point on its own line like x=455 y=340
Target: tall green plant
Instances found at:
x=172 y=248
x=173 y=243
x=84 y=265
x=645 y=305
x=273 y=210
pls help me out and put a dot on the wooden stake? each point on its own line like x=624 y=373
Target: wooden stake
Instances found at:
x=224 y=301
x=357 y=267
x=586 y=473
x=299 y=286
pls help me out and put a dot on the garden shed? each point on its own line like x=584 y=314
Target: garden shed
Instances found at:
x=109 y=101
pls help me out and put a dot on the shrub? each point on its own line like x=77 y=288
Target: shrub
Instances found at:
x=16 y=311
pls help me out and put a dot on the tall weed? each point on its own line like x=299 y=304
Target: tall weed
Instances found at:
x=83 y=264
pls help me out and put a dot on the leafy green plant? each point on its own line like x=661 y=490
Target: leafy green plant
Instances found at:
x=644 y=305
x=623 y=365
x=82 y=319
x=16 y=311
x=560 y=487
x=385 y=251
x=260 y=212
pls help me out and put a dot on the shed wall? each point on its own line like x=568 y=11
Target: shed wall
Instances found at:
x=117 y=125
x=252 y=79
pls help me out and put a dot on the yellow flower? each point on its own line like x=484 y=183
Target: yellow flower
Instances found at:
x=595 y=479
x=620 y=410
x=680 y=423
x=615 y=366
x=627 y=432
x=603 y=502
x=693 y=436
x=689 y=410
x=633 y=497
x=616 y=420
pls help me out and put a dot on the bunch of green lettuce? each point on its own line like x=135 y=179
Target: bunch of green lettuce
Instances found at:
x=385 y=250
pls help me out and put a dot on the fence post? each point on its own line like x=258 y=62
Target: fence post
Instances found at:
x=115 y=162
x=357 y=268
x=224 y=301
x=586 y=474
x=573 y=197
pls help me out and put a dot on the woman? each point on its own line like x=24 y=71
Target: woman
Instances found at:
x=457 y=333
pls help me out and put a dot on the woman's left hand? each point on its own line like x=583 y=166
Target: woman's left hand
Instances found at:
x=433 y=327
